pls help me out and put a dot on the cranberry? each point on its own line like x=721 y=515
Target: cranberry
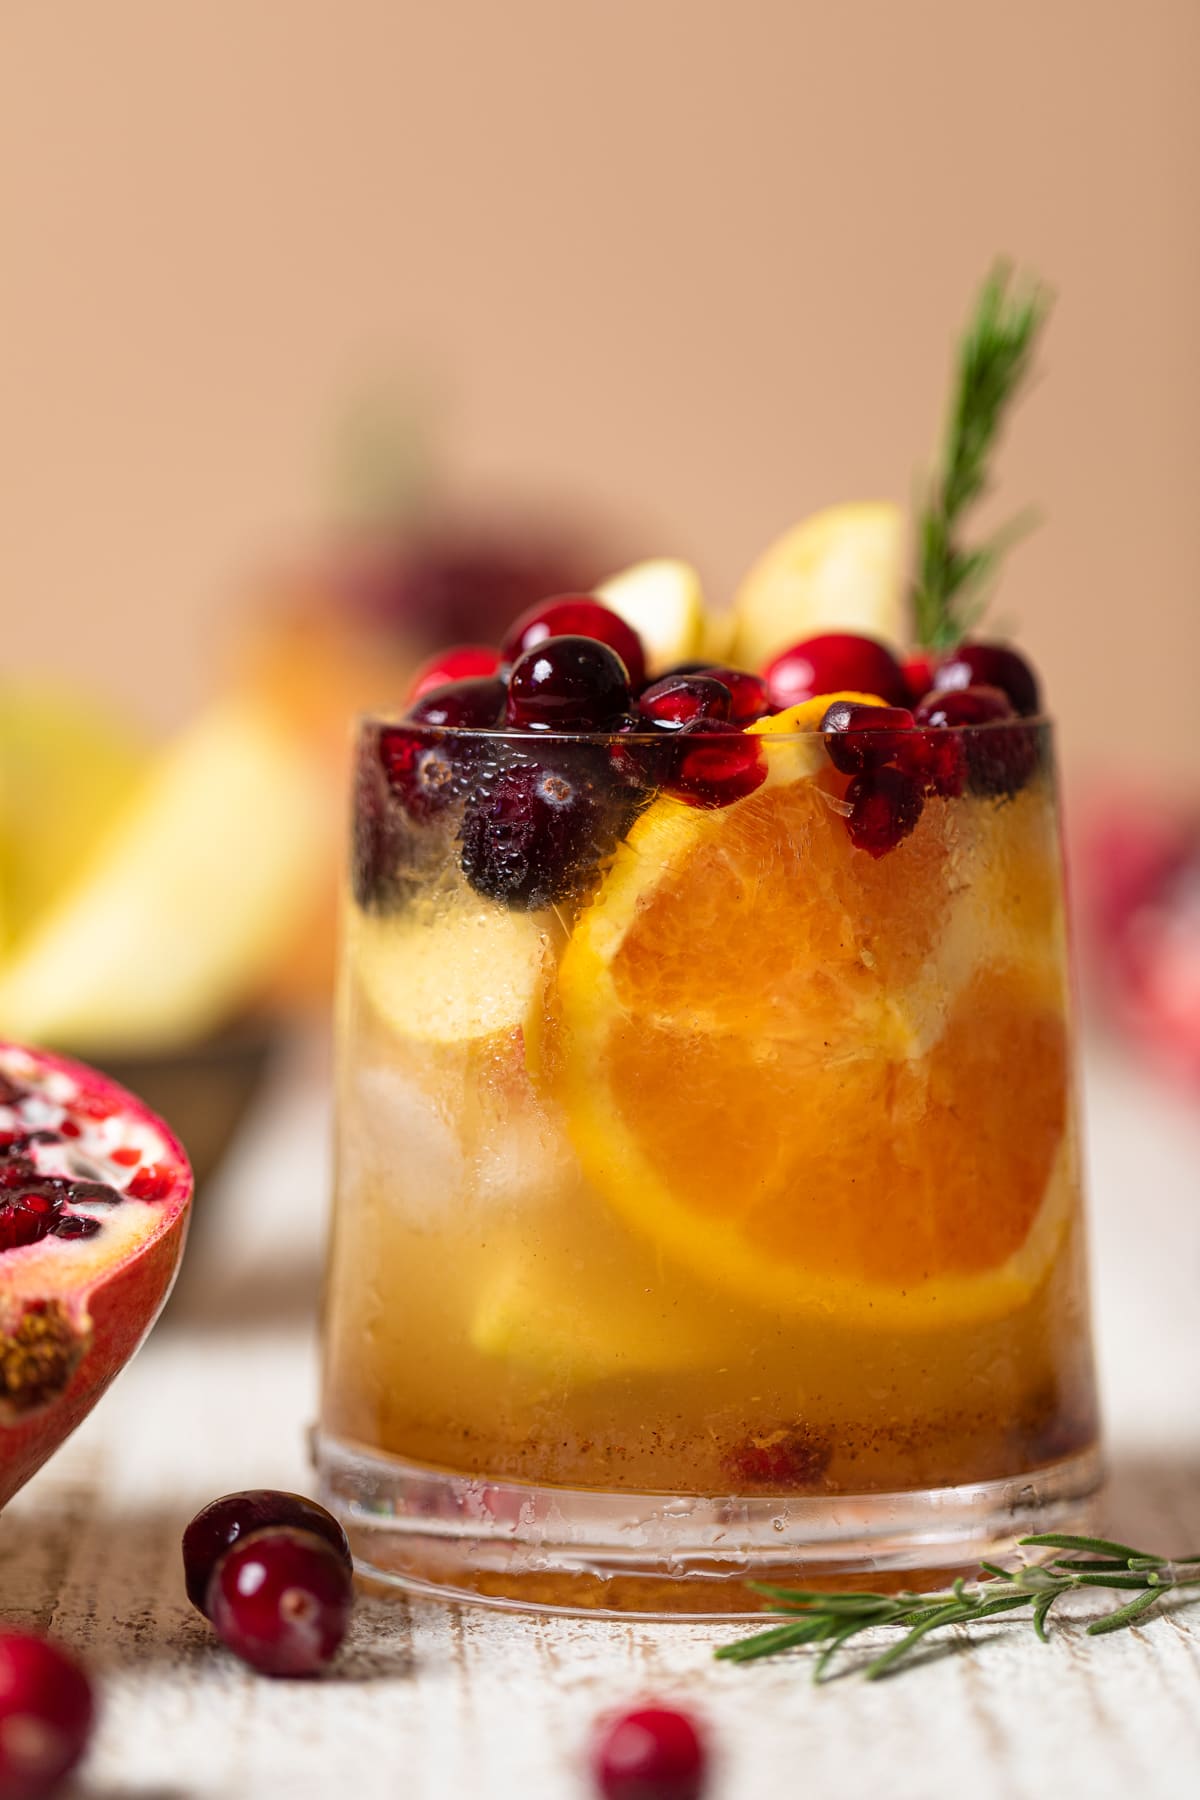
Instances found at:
x=651 y=1753
x=280 y=1599
x=578 y=615
x=426 y=772
x=679 y=699
x=474 y=705
x=534 y=832
x=465 y=662
x=999 y=759
x=918 y=673
x=885 y=805
x=748 y=693
x=835 y=660
x=861 y=737
x=964 y=706
x=221 y=1524
x=991 y=665
x=778 y=1462
x=25 y=1218
x=46 y=1715
x=567 y=684
x=717 y=764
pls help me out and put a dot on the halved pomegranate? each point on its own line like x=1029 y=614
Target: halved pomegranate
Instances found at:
x=94 y=1199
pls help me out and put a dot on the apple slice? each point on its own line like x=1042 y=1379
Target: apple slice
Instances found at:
x=663 y=601
x=840 y=570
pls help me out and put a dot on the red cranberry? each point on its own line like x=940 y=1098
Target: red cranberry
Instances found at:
x=918 y=674
x=861 y=737
x=991 y=665
x=1000 y=759
x=885 y=805
x=578 y=615
x=651 y=1753
x=534 y=833
x=567 y=684
x=280 y=1599
x=679 y=699
x=465 y=662
x=25 y=1218
x=717 y=764
x=473 y=705
x=46 y=1715
x=748 y=693
x=221 y=1524
x=964 y=706
x=425 y=771
x=836 y=660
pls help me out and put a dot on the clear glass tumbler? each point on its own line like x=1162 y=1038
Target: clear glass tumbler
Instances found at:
x=708 y=1200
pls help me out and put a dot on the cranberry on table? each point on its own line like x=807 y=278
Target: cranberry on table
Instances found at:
x=281 y=1600
x=464 y=663
x=46 y=1715
x=833 y=661
x=716 y=764
x=650 y=1753
x=991 y=665
x=677 y=700
x=578 y=615
x=476 y=704
x=885 y=805
x=859 y=737
x=221 y=1524
x=567 y=684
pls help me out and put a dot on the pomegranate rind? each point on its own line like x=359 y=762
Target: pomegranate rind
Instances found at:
x=60 y=1349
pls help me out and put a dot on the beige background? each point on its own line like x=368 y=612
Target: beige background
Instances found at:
x=693 y=265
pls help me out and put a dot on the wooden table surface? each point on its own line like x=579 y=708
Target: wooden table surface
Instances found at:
x=431 y=1701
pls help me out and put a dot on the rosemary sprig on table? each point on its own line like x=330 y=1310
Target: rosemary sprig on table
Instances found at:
x=951 y=584
x=829 y=1621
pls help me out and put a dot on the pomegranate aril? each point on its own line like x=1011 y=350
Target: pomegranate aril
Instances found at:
x=26 y=1218
x=748 y=693
x=46 y=1715
x=678 y=700
x=859 y=737
x=999 y=757
x=150 y=1183
x=535 y=832
x=650 y=1753
x=125 y=1158
x=221 y=1524
x=974 y=665
x=715 y=764
x=475 y=705
x=964 y=706
x=11 y=1092
x=578 y=615
x=885 y=805
x=831 y=662
x=567 y=684
x=76 y=1225
x=281 y=1600
x=465 y=662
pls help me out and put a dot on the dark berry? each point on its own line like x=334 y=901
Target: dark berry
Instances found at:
x=964 y=706
x=26 y=1218
x=221 y=1524
x=46 y=1715
x=859 y=737
x=371 y=850
x=651 y=1753
x=567 y=684
x=535 y=832
x=76 y=1225
x=11 y=1092
x=466 y=662
x=715 y=764
x=473 y=705
x=779 y=1462
x=640 y=755
x=578 y=615
x=679 y=699
x=995 y=666
x=918 y=674
x=885 y=805
x=281 y=1599
x=832 y=662
x=426 y=771
x=748 y=693
x=1000 y=758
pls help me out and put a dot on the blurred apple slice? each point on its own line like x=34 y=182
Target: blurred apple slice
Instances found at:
x=664 y=602
x=187 y=904
x=840 y=570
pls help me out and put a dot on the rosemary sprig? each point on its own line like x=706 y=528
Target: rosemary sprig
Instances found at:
x=950 y=589
x=830 y=1621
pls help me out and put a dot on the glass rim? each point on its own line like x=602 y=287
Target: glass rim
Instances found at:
x=511 y=734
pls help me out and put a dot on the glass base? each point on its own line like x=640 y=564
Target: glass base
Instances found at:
x=657 y=1556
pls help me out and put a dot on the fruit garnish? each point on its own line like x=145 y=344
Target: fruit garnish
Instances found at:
x=678 y=700
x=999 y=759
x=651 y=1753
x=569 y=683
x=715 y=764
x=194 y=893
x=466 y=662
x=834 y=661
x=578 y=615
x=840 y=570
x=87 y=1253
x=747 y=693
x=789 y=1460
x=472 y=704
x=865 y=737
x=218 y=1526
x=47 y=1712
x=662 y=601
x=990 y=665
x=885 y=805
x=281 y=1601
x=809 y=715
x=539 y=828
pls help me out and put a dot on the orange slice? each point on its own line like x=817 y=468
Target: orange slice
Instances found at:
x=821 y=1080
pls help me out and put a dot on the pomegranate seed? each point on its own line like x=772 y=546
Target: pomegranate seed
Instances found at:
x=76 y=1225
x=748 y=692
x=679 y=699
x=831 y=661
x=93 y=1106
x=280 y=1600
x=221 y=1524
x=994 y=666
x=567 y=684
x=779 y=1462
x=964 y=706
x=578 y=615
x=11 y=1092
x=150 y=1183
x=70 y=1129
x=464 y=663
x=717 y=764
x=125 y=1158
x=46 y=1715
x=651 y=1753
x=885 y=805
x=861 y=737
x=939 y=762
x=1000 y=759
x=475 y=705
x=26 y=1218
